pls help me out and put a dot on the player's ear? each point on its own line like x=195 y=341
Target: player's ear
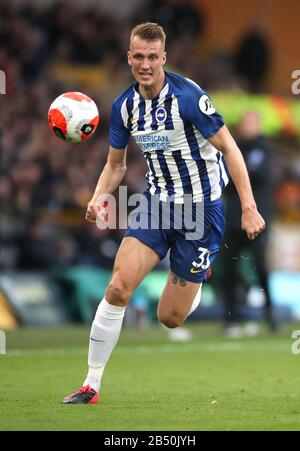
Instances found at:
x=164 y=58
x=129 y=58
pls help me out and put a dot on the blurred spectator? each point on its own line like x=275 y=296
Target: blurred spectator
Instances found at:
x=46 y=246
x=37 y=247
x=97 y=247
x=252 y=59
x=260 y=157
x=10 y=229
x=178 y=18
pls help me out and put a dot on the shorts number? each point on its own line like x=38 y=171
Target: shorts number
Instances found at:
x=203 y=257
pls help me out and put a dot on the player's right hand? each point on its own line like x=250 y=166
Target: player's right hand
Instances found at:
x=96 y=212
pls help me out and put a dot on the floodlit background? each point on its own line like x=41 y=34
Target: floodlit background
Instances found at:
x=54 y=267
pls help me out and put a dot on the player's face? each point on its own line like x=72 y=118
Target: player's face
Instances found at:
x=146 y=59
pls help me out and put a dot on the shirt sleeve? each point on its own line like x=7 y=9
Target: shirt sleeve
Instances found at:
x=199 y=110
x=118 y=134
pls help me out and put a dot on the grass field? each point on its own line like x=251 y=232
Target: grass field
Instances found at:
x=152 y=383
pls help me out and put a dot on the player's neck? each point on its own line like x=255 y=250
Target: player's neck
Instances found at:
x=149 y=92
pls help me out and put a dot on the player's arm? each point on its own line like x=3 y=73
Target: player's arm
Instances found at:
x=109 y=180
x=252 y=222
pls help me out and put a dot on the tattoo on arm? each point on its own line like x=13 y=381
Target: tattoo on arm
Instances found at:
x=176 y=279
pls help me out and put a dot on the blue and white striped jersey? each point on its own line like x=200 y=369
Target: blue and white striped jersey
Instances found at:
x=172 y=131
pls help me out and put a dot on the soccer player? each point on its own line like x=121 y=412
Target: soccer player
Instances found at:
x=184 y=141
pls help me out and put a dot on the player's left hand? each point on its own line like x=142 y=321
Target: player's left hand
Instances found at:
x=252 y=222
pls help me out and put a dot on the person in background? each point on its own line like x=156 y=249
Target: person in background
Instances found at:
x=259 y=156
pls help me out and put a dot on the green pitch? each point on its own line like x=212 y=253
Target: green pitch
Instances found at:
x=151 y=383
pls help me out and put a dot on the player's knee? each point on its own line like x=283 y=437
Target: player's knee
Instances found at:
x=170 y=321
x=118 y=293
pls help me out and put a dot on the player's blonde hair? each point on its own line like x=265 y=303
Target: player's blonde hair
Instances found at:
x=149 y=31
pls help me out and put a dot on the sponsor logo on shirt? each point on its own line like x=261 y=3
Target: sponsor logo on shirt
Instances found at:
x=148 y=142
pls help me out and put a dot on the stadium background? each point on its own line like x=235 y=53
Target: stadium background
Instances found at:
x=54 y=266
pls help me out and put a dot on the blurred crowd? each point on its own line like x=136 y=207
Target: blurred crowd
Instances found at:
x=46 y=183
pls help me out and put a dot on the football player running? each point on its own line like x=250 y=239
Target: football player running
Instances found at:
x=189 y=153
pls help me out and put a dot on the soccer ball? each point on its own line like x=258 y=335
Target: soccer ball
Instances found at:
x=73 y=116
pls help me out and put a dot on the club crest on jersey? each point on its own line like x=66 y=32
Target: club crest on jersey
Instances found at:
x=206 y=106
x=160 y=115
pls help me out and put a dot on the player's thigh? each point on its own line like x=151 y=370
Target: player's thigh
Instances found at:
x=133 y=261
x=177 y=298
